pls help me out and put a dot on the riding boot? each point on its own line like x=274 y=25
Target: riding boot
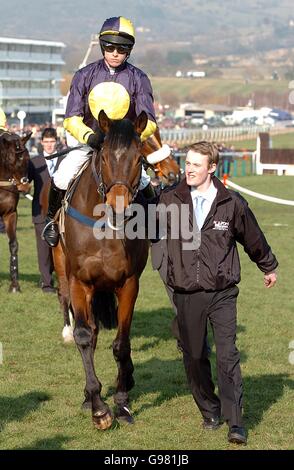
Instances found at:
x=50 y=233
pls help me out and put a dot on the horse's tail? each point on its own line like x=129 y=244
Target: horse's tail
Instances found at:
x=105 y=309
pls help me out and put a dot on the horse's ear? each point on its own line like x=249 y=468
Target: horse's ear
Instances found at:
x=104 y=121
x=141 y=122
x=25 y=138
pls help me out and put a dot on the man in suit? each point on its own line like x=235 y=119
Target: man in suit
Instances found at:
x=204 y=274
x=40 y=172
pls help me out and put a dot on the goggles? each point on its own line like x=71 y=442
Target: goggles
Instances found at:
x=121 y=48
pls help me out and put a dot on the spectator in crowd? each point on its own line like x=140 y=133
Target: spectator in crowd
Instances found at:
x=226 y=159
x=40 y=172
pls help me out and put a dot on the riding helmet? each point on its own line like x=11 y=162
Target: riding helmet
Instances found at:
x=118 y=30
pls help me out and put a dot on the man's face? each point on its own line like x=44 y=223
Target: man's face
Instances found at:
x=114 y=59
x=197 y=169
x=49 y=145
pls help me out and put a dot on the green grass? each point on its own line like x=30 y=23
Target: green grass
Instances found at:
x=42 y=380
x=212 y=90
x=283 y=141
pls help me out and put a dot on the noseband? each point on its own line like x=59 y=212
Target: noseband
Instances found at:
x=102 y=188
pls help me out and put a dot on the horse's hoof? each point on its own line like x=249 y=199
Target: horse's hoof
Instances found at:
x=102 y=420
x=123 y=415
x=67 y=334
x=14 y=289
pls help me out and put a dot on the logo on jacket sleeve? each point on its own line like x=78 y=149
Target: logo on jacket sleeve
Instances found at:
x=220 y=225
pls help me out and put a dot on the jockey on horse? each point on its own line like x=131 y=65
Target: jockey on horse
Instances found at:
x=110 y=84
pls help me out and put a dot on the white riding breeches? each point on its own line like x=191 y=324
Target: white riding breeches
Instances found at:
x=72 y=163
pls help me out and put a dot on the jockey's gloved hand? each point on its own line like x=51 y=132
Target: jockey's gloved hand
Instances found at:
x=95 y=140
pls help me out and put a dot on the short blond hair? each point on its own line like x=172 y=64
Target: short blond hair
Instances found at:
x=206 y=148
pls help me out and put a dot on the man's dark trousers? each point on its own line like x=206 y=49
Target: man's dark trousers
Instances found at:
x=45 y=259
x=219 y=307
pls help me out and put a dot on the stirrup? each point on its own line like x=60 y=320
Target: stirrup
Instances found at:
x=51 y=222
x=52 y=235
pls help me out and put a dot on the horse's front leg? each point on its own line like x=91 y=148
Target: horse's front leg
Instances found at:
x=127 y=296
x=85 y=335
x=63 y=293
x=10 y=222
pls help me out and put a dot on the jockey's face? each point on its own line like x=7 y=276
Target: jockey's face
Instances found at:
x=114 y=59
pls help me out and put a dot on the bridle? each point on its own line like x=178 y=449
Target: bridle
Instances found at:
x=102 y=188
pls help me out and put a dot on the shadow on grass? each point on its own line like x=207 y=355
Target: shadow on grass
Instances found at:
x=16 y=408
x=158 y=325
x=162 y=381
x=164 y=378
x=54 y=443
x=23 y=277
x=261 y=392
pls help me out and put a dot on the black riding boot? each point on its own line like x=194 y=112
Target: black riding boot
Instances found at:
x=50 y=232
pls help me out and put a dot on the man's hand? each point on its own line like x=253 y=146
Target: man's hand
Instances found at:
x=270 y=279
x=95 y=140
x=24 y=188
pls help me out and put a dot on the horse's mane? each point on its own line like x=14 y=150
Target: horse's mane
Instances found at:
x=121 y=134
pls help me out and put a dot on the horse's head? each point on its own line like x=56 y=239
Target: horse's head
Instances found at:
x=160 y=159
x=14 y=158
x=121 y=160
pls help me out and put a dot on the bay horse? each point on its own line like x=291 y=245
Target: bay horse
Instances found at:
x=167 y=172
x=14 y=158
x=99 y=271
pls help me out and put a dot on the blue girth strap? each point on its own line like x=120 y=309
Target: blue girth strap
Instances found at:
x=84 y=219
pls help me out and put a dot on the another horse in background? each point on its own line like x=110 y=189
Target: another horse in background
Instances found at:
x=14 y=158
x=160 y=160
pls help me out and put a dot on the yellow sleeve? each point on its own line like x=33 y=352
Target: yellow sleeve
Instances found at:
x=75 y=126
x=149 y=130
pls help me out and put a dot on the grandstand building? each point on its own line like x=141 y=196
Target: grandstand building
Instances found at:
x=30 y=74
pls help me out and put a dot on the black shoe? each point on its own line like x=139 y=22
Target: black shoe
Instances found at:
x=237 y=435
x=51 y=233
x=49 y=290
x=211 y=423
